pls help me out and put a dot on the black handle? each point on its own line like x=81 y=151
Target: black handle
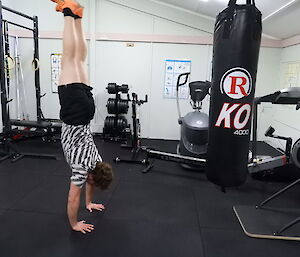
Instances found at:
x=136 y=99
x=140 y=102
x=233 y=2
x=230 y=14
x=185 y=80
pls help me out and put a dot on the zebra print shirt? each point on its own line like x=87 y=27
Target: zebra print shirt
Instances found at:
x=80 y=151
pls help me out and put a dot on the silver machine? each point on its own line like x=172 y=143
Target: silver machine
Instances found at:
x=194 y=125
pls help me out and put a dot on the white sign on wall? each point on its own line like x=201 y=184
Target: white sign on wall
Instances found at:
x=55 y=71
x=292 y=74
x=173 y=69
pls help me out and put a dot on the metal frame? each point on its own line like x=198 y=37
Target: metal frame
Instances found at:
x=39 y=112
x=164 y=156
x=10 y=150
x=5 y=117
x=16 y=12
x=35 y=31
x=135 y=140
x=273 y=162
x=17 y=25
x=254 y=129
x=281 y=97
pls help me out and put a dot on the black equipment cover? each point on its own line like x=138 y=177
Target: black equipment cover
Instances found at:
x=236 y=48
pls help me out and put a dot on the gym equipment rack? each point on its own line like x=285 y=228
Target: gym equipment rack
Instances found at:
x=135 y=142
x=116 y=127
x=10 y=150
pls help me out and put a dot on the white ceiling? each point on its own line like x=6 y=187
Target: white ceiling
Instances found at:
x=283 y=24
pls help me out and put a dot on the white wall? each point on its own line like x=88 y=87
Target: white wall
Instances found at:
x=268 y=81
x=163 y=114
x=111 y=10
x=285 y=119
x=122 y=65
x=141 y=66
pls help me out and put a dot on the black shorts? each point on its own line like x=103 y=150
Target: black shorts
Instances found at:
x=77 y=104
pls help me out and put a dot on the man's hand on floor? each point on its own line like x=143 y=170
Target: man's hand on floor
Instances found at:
x=95 y=206
x=82 y=227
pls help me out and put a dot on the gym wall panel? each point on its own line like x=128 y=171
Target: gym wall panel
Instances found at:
x=120 y=64
x=166 y=27
x=163 y=113
x=8 y=15
x=268 y=77
x=291 y=53
x=10 y=4
x=112 y=18
x=268 y=81
x=7 y=3
x=148 y=17
x=168 y=12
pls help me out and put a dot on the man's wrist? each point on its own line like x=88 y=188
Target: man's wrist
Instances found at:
x=73 y=224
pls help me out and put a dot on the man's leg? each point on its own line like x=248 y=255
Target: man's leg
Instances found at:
x=81 y=52
x=69 y=69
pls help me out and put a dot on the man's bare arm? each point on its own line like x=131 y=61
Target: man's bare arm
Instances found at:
x=73 y=207
x=89 y=193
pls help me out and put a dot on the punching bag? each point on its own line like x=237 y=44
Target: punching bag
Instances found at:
x=237 y=39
